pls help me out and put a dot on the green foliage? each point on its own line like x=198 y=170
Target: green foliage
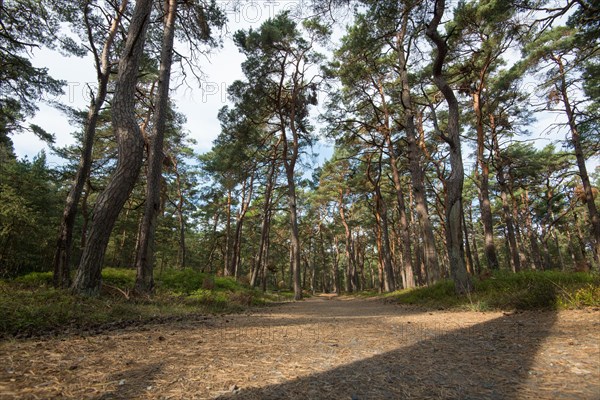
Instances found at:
x=29 y=210
x=118 y=277
x=184 y=281
x=26 y=24
x=29 y=305
x=227 y=283
x=35 y=279
x=506 y=291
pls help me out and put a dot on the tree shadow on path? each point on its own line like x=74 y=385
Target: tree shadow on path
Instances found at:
x=133 y=382
x=491 y=360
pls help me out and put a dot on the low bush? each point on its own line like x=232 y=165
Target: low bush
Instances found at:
x=29 y=305
x=504 y=290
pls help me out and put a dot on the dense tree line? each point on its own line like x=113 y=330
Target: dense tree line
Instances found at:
x=429 y=109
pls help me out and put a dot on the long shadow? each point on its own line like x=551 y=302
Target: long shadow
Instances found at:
x=491 y=360
x=132 y=383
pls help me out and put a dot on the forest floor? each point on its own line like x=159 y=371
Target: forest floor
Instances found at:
x=320 y=348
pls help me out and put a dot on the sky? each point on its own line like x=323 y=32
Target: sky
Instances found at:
x=198 y=101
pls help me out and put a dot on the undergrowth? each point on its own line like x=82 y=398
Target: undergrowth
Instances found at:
x=526 y=290
x=29 y=305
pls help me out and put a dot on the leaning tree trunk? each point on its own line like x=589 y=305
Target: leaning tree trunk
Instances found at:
x=62 y=257
x=130 y=146
x=454 y=183
x=144 y=263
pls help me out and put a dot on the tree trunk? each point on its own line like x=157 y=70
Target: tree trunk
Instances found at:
x=226 y=264
x=430 y=255
x=454 y=183
x=350 y=261
x=405 y=241
x=517 y=228
x=380 y=260
x=475 y=248
x=390 y=283
x=335 y=267
x=536 y=258
x=579 y=156
x=295 y=235
x=324 y=256
x=469 y=259
x=515 y=260
x=265 y=262
x=291 y=149
x=237 y=239
x=182 y=253
x=483 y=184
x=85 y=214
x=144 y=282
x=264 y=228
x=420 y=270
x=130 y=153
x=62 y=257
x=510 y=229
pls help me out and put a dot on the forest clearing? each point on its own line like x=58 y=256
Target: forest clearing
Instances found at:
x=324 y=347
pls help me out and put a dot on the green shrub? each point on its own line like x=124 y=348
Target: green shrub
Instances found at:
x=505 y=290
x=183 y=281
x=30 y=306
x=35 y=279
x=227 y=283
x=119 y=277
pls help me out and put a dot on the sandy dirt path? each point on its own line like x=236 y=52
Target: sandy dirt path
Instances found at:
x=320 y=348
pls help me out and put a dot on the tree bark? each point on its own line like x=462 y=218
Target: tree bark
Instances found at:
x=579 y=156
x=64 y=245
x=430 y=255
x=295 y=234
x=237 y=239
x=468 y=254
x=510 y=228
x=130 y=153
x=475 y=248
x=536 y=258
x=515 y=260
x=405 y=240
x=350 y=261
x=144 y=282
x=264 y=228
x=335 y=267
x=182 y=253
x=483 y=184
x=454 y=183
x=383 y=239
x=226 y=264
